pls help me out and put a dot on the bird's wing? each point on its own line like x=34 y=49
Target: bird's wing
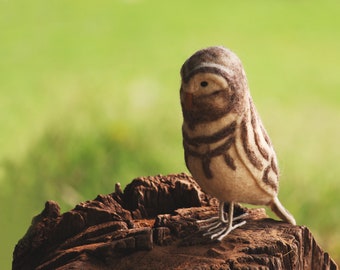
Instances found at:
x=255 y=150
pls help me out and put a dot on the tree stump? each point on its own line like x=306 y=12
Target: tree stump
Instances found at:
x=152 y=225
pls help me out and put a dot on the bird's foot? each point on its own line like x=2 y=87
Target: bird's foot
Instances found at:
x=219 y=228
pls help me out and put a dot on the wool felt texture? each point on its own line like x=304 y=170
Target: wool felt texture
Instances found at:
x=226 y=147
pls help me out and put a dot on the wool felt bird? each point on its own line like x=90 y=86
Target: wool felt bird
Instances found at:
x=226 y=147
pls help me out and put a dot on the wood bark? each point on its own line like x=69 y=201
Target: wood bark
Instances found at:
x=152 y=225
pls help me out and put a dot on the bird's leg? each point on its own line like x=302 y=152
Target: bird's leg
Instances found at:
x=217 y=229
x=213 y=222
x=225 y=231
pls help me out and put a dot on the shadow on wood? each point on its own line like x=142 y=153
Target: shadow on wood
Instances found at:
x=152 y=226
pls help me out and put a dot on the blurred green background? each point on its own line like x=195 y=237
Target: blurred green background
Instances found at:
x=89 y=96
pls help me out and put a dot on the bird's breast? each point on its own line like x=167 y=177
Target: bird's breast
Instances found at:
x=211 y=156
x=225 y=177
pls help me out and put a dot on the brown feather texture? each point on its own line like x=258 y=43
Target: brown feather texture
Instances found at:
x=226 y=146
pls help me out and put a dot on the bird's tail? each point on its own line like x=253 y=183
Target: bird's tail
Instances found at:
x=282 y=212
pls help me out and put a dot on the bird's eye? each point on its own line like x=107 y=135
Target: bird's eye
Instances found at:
x=204 y=83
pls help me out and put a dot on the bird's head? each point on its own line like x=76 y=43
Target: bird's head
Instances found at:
x=213 y=84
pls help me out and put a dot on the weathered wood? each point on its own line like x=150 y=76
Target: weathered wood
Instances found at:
x=152 y=226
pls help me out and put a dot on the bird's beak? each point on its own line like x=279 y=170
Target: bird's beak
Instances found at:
x=188 y=100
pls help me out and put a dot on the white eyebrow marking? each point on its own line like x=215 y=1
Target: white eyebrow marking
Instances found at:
x=213 y=65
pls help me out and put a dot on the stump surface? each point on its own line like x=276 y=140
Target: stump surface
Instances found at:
x=152 y=226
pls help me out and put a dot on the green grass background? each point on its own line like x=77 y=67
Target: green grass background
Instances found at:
x=89 y=96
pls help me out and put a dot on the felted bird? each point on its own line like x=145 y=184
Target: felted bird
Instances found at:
x=226 y=147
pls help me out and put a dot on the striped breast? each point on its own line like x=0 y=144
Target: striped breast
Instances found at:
x=210 y=141
x=233 y=154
